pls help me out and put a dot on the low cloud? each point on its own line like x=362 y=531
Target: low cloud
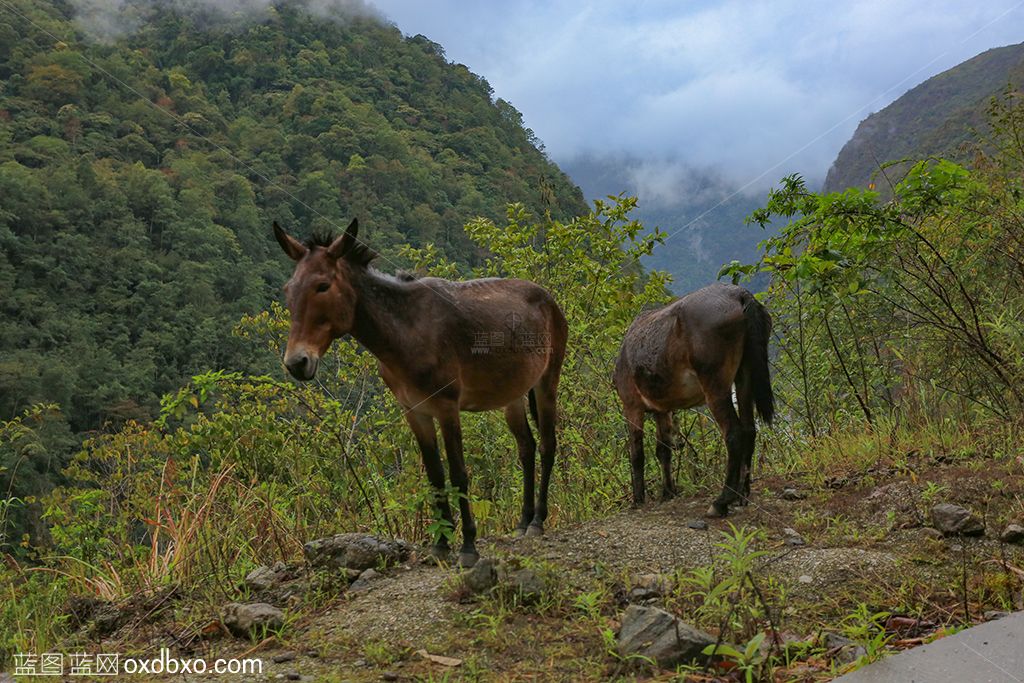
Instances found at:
x=756 y=89
x=107 y=20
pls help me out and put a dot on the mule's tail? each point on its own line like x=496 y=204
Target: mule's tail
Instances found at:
x=755 y=357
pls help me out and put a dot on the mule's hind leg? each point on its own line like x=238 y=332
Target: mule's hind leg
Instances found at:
x=748 y=432
x=720 y=403
x=635 y=437
x=515 y=416
x=664 y=452
x=426 y=436
x=544 y=394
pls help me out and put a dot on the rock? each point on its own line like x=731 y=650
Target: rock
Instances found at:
x=243 y=618
x=484 y=575
x=792 y=538
x=264 y=577
x=527 y=584
x=1013 y=533
x=953 y=520
x=993 y=614
x=790 y=493
x=842 y=649
x=654 y=633
x=805 y=578
x=293 y=676
x=698 y=524
x=650 y=586
x=284 y=657
x=355 y=551
x=933 y=533
x=389 y=676
x=363 y=582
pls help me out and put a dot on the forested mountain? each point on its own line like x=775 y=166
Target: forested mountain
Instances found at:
x=702 y=214
x=139 y=177
x=935 y=118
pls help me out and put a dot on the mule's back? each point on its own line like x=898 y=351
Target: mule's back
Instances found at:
x=666 y=350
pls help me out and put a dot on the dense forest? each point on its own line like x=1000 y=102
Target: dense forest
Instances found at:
x=139 y=178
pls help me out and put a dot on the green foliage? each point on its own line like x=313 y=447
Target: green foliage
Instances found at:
x=879 y=302
x=748 y=660
x=138 y=180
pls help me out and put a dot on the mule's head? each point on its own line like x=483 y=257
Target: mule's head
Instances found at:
x=320 y=294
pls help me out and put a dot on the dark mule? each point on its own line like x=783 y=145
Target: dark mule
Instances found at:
x=443 y=347
x=690 y=353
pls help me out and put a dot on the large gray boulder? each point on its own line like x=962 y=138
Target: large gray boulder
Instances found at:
x=656 y=634
x=355 y=551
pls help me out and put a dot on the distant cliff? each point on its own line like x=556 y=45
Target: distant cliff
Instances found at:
x=935 y=118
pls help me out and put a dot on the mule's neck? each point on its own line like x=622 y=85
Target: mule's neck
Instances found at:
x=384 y=312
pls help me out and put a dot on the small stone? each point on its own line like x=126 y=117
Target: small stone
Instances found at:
x=954 y=520
x=790 y=493
x=792 y=537
x=389 y=676
x=842 y=649
x=284 y=657
x=363 y=582
x=484 y=575
x=993 y=614
x=244 y=618
x=293 y=676
x=264 y=578
x=649 y=587
x=527 y=584
x=654 y=633
x=698 y=524
x=1013 y=533
x=805 y=578
x=933 y=533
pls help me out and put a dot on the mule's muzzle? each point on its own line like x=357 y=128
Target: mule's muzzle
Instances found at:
x=301 y=365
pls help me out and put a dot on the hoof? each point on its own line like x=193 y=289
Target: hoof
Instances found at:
x=715 y=511
x=438 y=555
x=467 y=560
x=535 y=530
x=668 y=495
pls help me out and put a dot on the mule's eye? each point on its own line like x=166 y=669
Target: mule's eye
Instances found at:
x=323 y=287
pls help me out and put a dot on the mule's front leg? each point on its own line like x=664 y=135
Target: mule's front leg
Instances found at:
x=635 y=436
x=451 y=431
x=426 y=437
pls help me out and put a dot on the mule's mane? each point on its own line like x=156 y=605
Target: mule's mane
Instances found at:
x=358 y=253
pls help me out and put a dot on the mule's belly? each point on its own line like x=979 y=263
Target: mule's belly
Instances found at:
x=489 y=389
x=683 y=392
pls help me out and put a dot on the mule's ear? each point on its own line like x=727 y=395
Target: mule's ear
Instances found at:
x=291 y=246
x=343 y=245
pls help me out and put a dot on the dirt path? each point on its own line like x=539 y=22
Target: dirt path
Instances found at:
x=862 y=543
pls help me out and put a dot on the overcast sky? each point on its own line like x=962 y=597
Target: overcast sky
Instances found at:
x=747 y=87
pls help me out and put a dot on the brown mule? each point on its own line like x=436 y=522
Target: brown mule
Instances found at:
x=690 y=353
x=443 y=347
